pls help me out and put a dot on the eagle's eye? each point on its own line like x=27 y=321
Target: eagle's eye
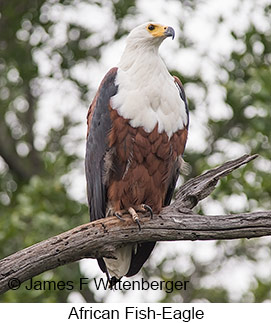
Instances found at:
x=151 y=27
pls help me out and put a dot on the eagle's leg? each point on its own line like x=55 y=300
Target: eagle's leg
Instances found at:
x=134 y=216
x=141 y=208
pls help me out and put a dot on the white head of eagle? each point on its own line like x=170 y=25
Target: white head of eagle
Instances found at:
x=137 y=131
x=150 y=34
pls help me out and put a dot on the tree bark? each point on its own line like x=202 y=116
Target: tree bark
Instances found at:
x=175 y=222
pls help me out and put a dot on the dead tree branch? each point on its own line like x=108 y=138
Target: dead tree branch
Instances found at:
x=175 y=222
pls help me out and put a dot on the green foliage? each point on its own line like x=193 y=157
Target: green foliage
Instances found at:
x=34 y=200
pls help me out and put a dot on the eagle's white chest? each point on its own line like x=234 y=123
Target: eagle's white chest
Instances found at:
x=147 y=96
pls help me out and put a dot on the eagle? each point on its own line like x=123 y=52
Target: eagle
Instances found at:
x=137 y=131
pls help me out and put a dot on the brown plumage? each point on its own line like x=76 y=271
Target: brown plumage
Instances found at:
x=144 y=164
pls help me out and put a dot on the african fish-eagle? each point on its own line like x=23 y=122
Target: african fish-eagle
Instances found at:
x=137 y=131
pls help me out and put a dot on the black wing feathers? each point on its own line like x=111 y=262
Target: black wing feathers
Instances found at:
x=182 y=95
x=176 y=168
x=97 y=146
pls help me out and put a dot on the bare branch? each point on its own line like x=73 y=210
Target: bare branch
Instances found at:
x=102 y=237
x=198 y=188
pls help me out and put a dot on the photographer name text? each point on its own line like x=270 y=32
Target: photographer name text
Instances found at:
x=101 y=284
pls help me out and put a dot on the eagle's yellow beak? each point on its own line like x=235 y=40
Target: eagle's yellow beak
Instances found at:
x=157 y=30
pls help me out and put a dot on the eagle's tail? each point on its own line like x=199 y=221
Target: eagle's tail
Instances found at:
x=128 y=262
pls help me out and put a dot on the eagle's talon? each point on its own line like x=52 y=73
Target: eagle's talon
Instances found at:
x=148 y=209
x=138 y=223
x=118 y=215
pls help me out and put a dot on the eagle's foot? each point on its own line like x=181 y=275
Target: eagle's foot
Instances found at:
x=141 y=208
x=130 y=211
